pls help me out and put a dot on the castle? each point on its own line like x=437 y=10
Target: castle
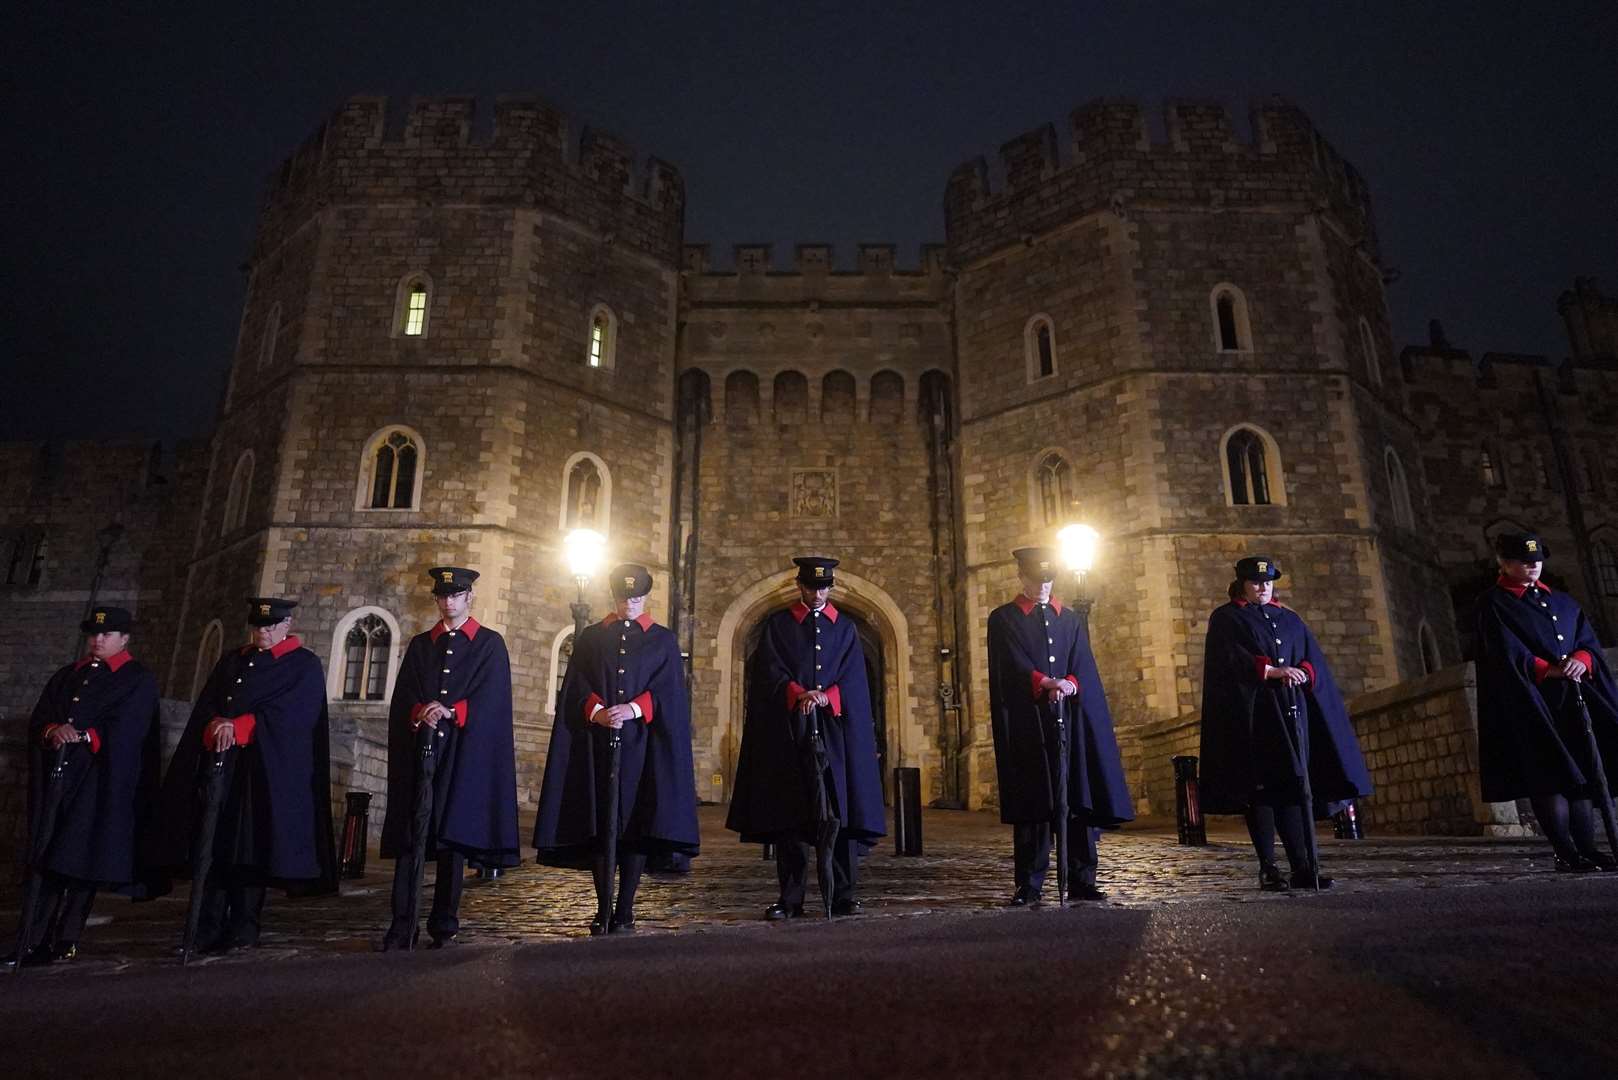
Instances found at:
x=455 y=348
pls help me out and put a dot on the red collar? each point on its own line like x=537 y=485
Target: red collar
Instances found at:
x=1240 y=602
x=1026 y=602
x=288 y=644
x=469 y=627
x=800 y=611
x=113 y=662
x=644 y=618
x=1517 y=590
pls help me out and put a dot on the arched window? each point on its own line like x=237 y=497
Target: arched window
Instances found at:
x=791 y=398
x=36 y=565
x=696 y=395
x=1231 y=330
x=1252 y=468
x=1492 y=467
x=935 y=405
x=391 y=470
x=561 y=655
x=365 y=649
x=213 y=644
x=1053 y=487
x=413 y=306
x=241 y=485
x=601 y=346
x=1039 y=347
x=1373 y=361
x=586 y=493
x=741 y=399
x=887 y=397
x=1431 y=659
x=1399 y=490
x=837 y=398
x=272 y=328
x=1606 y=560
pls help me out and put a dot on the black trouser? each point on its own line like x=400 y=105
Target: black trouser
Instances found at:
x=630 y=867
x=64 y=907
x=794 y=857
x=1031 y=854
x=1292 y=821
x=445 y=918
x=1568 y=822
x=232 y=906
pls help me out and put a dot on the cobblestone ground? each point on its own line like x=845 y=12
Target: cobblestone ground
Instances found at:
x=966 y=868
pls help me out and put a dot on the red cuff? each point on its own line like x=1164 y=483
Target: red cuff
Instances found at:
x=835 y=694
x=1540 y=670
x=1259 y=664
x=242 y=724
x=1583 y=657
x=794 y=695
x=460 y=712
x=1074 y=679
x=590 y=706
x=95 y=740
x=644 y=700
x=1310 y=668
x=415 y=715
x=1035 y=679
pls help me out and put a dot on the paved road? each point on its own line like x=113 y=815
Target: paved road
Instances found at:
x=1432 y=959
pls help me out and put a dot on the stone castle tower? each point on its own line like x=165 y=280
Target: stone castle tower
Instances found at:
x=459 y=343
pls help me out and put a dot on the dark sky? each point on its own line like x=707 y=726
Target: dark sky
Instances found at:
x=138 y=143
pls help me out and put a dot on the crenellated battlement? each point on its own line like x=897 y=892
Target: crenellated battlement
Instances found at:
x=809 y=260
x=1110 y=160
x=434 y=155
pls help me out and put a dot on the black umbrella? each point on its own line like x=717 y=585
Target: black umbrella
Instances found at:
x=1600 y=768
x=1059 y=800
x=815 y=763
x=1298 y=739
x=202 y=852
x=607 y=858
x=421 y=824
x=38 y=844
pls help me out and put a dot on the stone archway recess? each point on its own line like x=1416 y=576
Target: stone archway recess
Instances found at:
x=906 y=740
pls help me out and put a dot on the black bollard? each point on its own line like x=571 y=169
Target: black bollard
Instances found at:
x=1188 y=803
x=1346 y=823
x=906 y=811
x=356 y=832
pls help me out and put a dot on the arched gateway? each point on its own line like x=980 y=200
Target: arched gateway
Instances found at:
x=880 y=621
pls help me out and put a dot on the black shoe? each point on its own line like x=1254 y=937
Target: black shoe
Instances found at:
x=63 y=951
x=1270 y=880
x=399 y=936
x=219 y=946
x=1086 y=892
x=598 y=925
x=777 y=912
x=846 y=907
x=38 y=956
x=444 y=941
x=1307 y=881
x=1574 y=864
x=619 y=925
x=1602 y=860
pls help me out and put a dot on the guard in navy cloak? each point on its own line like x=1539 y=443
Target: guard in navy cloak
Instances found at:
x=807 y=657
x=265 y=705
x=1534 y=647
x=456 y=679
x=625 y=674
x=1040 y=662
x=1260 y=657
x=104 y=709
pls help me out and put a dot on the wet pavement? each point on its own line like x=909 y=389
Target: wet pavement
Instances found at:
x=1432 y=957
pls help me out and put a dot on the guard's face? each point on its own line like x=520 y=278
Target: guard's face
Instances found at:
x=814 y=599
x=632 y=607
x=268 y=637
x=1035 y=589
x=1519 y=572
x=108 y=643
x=455 y=606
x=1258 y=592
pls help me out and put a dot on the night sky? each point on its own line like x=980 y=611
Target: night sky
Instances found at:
x=138 y=144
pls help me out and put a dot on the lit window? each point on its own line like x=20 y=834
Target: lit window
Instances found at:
x=598 y=339
x=365 y=660
x=393 y=480
x=602 y=345
x=1248 y=469
x=416 y=311
x=1055 y=488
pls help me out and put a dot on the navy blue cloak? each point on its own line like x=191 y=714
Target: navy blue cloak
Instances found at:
x=475 y=780
x=619 y=662
x=108 y=792
x=1531 y=737
x=1052 y=643
x=1247 y=756
x=770 y=798
x=275 y=822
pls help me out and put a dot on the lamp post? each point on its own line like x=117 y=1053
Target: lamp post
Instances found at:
x=583 y=550
x=1079 y=544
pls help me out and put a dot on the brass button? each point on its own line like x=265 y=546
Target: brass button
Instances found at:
x=1554 y=619
x=817 y=667
x=819 y=687
x=75 y=699
x=446 y=671
x=238 y=680
x=449 y=652
x=227 y=697
x=250 y=663
x=620 y=671
x=1558 y=637
x=443 y=692
x=817 y=648
x=621 y=652
x=1053 y=659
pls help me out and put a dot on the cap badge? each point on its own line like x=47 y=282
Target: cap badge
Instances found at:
x=629 y=581
x=1531 y=545
x=1044 y=564
x=449 y=577
x=264 y=609
x=1263 y=567
x=101 y=616
x=820 y=571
